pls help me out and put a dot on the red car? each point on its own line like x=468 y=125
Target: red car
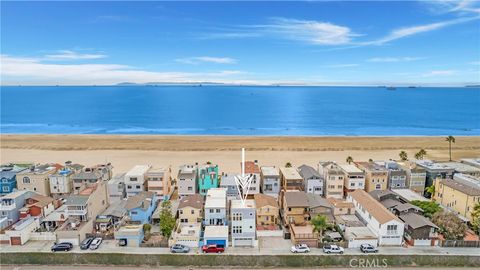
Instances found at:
x=212 y=249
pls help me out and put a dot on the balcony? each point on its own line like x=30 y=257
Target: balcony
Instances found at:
x=77 y=212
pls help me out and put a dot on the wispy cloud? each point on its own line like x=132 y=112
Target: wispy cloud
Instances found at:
x=394 y=59
x=414 y=30
x=435 y=73
x=206 y=59
x=71 y=55
x=17 y=70
x=314 y=32
x=453 y=6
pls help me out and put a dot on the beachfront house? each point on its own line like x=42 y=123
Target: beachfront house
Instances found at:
x=36 y=178
x=334 y=179
x=416 y=176
x=291 y=179
x=141 y=206
x=207 y=178
x=8 y=179
x=116 y=188
x=312 y=180
x=435 y=170
x=216 y=207
x=376 y=176
x=190 y=209
x=242 y=223
x=135 y=181
x=186 y=180
x=253 y=171
x=270 y=181
x=384 y=224
x=354 y=178
x=228 y=182
x=159 y=180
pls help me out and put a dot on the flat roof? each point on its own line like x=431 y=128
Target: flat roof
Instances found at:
x=462 y=167
x=348 y=168
x=290 y=173
x=216 y=231
x=432 y=165
x=117 y=178
x=138 y=170
x=269 y=171
x=238 y=204
x=409 y=195
x=189 y=229
x=472 y=161
x=359 y=233
x=130 y=228
x=216 y=198
x=349 y=220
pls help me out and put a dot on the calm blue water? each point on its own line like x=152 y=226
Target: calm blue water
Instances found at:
x=229 y=110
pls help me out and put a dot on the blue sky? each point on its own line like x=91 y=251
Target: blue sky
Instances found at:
x=408 y=42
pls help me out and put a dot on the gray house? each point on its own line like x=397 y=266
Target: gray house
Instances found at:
x=186 y=180
x=228 y=182
x=270 y=178
x=243 y=225
x=312 y=180
x=10 y=206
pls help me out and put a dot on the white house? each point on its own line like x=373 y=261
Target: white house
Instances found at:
x=187 y=235
x=252 y=169
x=20 y=232
x=216 y=235
x=216 y=207
x=243 y=223
x=116 y=188
x=384 y=224
x=186 y=180
x=61 y=182
x=135 y=180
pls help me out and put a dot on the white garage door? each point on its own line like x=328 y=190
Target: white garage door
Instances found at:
x=243 y=242
x=74 y=241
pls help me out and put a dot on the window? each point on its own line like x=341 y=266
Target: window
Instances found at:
x=190 y=188
x=133 y=179
x=180 y=212
x=237 y=229
x=138 y=187
x=26 y=180
x=217 y=210
x=211 y=211
x=4 y=180
x=192 y=211
x=237 y=216
x=5 y=189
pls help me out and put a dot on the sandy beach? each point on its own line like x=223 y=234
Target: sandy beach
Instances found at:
x=125 y=151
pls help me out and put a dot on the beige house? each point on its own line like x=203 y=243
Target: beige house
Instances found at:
x=190 y=209
x=334 y=179
x=36 y=179
x=267 y=210
x=159 y=180
x=341 y=207
x=295 y=208
x=82 y=210
x=459 y=194
x=376 y=176
x=291 y=179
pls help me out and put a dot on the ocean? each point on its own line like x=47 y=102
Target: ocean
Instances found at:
x=240 y=110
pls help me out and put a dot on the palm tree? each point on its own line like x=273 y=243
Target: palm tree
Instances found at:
x=319 y=223
x=403 y=155
x=288 y=165
x=430 y=189
x=421 y=154
x=349 y=159
x=450 y=139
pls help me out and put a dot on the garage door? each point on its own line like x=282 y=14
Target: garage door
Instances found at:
x=15 y=241
x=73 y=241
x=243 y=242
x=220 y=243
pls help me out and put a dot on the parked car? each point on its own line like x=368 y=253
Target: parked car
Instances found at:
x=367 y=248
x=212 y=249
x=300 y=248
x=86 y=243
x=95 y=243
x=333 y=249
x=177 y=248
x=64 y=246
